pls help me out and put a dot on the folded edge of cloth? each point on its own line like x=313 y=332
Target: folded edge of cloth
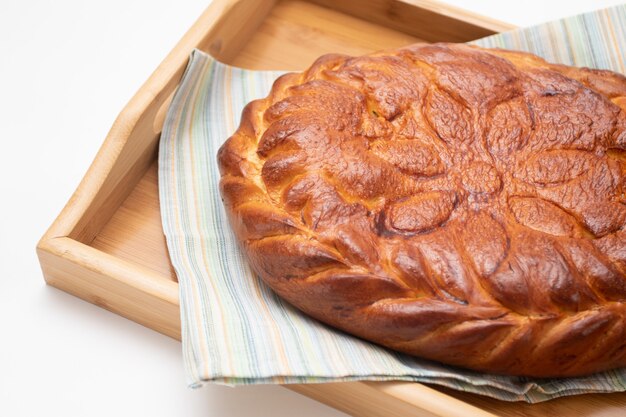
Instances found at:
x=235 y=330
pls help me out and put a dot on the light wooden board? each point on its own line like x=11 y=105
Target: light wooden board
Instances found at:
x=107 y=245
x=134 y=232
x=297 y=32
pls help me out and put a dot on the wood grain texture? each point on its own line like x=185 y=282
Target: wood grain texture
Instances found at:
x=375 y=399
x=122 y=287
x=425 y=19
x=295 y=33
x=107 y=244
x=134 y=232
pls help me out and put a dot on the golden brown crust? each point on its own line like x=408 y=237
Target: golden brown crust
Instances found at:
x=455 y=203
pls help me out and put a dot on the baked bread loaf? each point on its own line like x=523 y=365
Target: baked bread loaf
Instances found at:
x=455 y=203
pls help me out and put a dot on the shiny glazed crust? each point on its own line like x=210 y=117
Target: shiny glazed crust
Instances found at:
x=455 y=203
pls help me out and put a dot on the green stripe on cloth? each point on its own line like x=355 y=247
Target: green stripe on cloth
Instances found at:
x=235 y=330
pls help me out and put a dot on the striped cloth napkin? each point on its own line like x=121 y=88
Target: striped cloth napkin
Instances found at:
x=235 y=330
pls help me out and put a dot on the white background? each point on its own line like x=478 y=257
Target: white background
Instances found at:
x=66 y=70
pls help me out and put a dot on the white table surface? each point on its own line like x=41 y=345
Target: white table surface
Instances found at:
x=67 y=68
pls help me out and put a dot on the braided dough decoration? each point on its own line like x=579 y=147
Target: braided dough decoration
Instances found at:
x=455 y=203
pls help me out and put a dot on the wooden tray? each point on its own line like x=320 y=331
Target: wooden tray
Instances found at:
x=107 y=245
